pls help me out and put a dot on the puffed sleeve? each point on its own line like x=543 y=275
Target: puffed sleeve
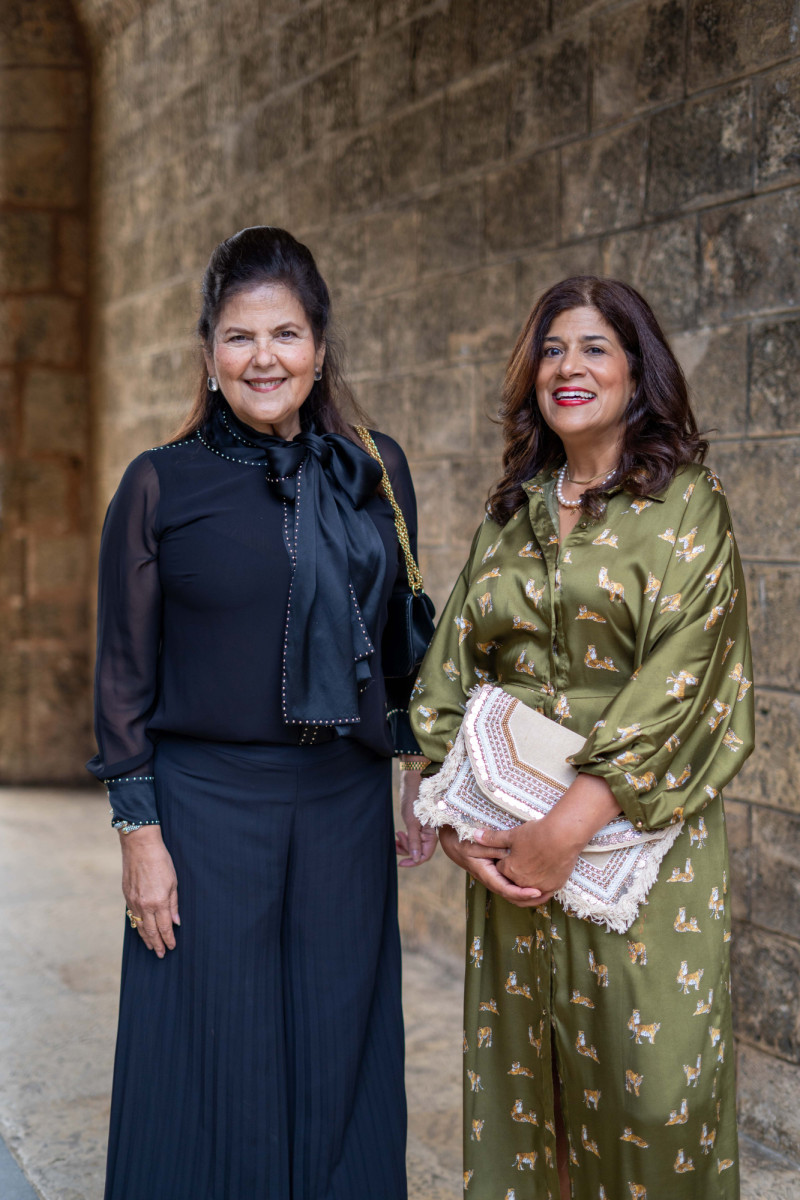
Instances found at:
x=398 y=691
x=682 y=726
x=448 y=672
x=128 y=639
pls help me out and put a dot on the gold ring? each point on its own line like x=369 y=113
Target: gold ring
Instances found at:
x=133 y=920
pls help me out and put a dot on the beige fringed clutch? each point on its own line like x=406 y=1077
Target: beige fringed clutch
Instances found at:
x=508 y=765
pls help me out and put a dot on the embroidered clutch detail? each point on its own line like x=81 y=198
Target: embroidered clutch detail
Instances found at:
x=509 y=765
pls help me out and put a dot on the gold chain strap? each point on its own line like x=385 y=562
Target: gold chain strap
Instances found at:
x=414 y=573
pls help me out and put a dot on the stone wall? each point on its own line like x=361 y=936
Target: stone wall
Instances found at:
x=446 y=160
x=44 y=403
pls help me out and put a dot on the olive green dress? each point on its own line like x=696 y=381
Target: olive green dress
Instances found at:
x=634 y=633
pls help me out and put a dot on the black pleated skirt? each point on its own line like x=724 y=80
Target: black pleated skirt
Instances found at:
x=262 y=1059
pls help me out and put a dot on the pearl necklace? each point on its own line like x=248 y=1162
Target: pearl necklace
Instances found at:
x=561 y=498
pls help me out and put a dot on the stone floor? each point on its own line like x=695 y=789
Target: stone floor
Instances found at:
x=59 y=946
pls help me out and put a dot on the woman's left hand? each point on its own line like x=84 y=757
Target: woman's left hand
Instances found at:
x=417 y=842
x=543 y=853
x=539 y=854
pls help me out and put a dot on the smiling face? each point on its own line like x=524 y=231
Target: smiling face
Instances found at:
x=264 y=357
x=584 y=384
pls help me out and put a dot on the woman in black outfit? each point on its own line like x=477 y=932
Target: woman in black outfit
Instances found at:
x=241 y=719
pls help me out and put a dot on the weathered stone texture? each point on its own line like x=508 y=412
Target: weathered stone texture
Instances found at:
x=661 y=260
x=770 y=776
x=765 y=973
x=753 y=473
x=774 y=381
x=768 y=1108
x=603 y=182
x=778 y=127
x=681 y=170
x=549 y=94
x=727 y=39
x=749 y=257
x=715 y=364
x=44 y=414
x=638 y=58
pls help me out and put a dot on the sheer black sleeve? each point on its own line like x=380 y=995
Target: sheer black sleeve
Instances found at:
x=128 y=640
x=398 y=691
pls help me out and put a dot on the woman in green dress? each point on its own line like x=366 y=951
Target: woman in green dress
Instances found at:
x=604 y=589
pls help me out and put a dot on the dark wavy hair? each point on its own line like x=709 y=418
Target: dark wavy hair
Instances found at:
x=261 y=255
x=660 y=432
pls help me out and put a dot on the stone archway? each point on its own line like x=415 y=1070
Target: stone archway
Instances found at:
x=44 y=401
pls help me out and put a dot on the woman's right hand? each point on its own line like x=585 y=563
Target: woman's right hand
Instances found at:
x=150 y=887
x=481 y=862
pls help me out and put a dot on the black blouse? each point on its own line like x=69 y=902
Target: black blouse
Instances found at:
x=195 y=573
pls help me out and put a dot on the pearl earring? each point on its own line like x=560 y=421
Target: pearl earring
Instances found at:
x=211 y=383
x=317 y=373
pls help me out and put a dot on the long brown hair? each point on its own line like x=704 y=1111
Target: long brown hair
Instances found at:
x=660 y=433
x=264 y=254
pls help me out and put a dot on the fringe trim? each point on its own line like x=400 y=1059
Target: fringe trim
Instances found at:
x=619 y=916
x=433 y=792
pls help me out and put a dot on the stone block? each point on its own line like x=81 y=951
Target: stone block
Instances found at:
x=417 y=326
x=549 y=93
x=432 y=38
x=765 y=972
x=355 y=183
x=340 y=258
x=737 y=820
x=362 y=326
x=59 y=715
x=331 y=102
x=58 y=566
x=768 y=1108
x=8 y=414
x=13 y=704
x=521 y=205
x=56 y=413
x=539 y=271
x=770 y=775
x=727 y=39
x=470 y=480
x=43 y=97
x=385 y=74
x=715 y=364
x=39 y=34
x=776 y=880
x=451 y=228
x=754 y=474
x=661 y=262
x=482 y=313
x=301 y=46
x=26 y=251
x=348 y=23
x=40 y=329
x=774 y=383
x=43 y=167
x=50 y=492
x=73 y=255
x=312 y=183
x=772 y=613
x=390 y=250
x=566 y=10
x=432 y=487
x=441 y=411
x=488 y=397
x=639 y=58
x=385 y=404
x=778 y=126
x=499 y=29
x=476 y=120
x=700 y=151
x=411 y=150
x=603 y=182
x=391 y=12
x=273 y=133
x=257 y=68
